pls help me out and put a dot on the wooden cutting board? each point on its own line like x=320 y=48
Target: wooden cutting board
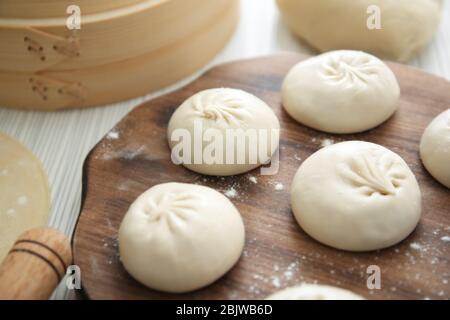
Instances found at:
x=134 y=156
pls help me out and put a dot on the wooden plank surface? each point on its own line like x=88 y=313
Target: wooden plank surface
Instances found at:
x=135 y=156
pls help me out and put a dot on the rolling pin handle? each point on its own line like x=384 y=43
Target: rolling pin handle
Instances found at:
x=35 y=265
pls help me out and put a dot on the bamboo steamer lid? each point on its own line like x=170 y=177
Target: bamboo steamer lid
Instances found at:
x=46 y=44
x=103 y=84
x=56 y=8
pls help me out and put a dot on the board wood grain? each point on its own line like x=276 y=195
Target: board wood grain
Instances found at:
x=135 y=156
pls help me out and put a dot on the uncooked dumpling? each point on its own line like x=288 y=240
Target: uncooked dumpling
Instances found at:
x=341 y=92
x=356 y=196
x=314 y=292
x=435 y=148
x=179 y=237
x=213 y=123
x=24 y=194
x=406 y=26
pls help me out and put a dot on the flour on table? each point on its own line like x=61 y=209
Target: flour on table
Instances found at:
x=126 y=154
x=281 y=276
x=231 y=193
x=417 y=246
x=253 y=179
x=113 y=135
x=276 y=282
x=291 y=269
x=288 y=274
x=279 y=186
x=326 y=142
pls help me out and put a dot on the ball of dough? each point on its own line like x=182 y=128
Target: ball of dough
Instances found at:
x=314 y=292
x=435 y=148
x=356 y=196
x=341 y=92
x=179 y=237
x=406 y=26
x=229 y=116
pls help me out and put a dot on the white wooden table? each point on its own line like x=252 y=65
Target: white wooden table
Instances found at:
x=62 y=139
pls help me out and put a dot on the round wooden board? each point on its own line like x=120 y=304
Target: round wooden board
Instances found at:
x=278 y=253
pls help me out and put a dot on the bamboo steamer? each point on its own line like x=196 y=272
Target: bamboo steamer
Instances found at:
x=187 y=38
x=109 y=36
x=56 y=8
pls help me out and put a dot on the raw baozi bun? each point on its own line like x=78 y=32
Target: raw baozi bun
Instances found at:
x=221 y=112
x=356 y=196
x=435 y=148
x=314 y=292
x=341 y=92
x=179 y=237
x=406 y=26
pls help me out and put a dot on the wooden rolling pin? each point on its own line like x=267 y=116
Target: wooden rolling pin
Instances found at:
x=35 y=265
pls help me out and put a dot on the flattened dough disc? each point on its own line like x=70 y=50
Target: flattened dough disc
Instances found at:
x=24 y=192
